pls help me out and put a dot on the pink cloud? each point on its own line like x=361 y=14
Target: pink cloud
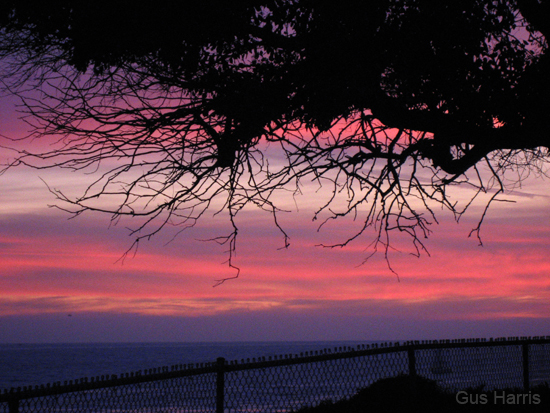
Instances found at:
x=71 y=267
x=52 y=266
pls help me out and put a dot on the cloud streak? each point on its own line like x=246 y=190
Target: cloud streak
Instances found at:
x=51 y=267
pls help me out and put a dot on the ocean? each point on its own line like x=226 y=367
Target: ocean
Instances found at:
x=281 y=387
x=36 y=364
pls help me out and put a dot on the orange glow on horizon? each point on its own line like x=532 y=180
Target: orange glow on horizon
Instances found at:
x=40 y=276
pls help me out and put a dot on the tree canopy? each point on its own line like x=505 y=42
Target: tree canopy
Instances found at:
x=388 y=102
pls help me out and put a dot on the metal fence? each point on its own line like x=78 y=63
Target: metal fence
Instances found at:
x=289 y=382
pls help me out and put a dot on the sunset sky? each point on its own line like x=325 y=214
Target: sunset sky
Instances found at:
x=62 y=280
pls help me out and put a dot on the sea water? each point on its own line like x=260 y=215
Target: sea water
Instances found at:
x=37 y=364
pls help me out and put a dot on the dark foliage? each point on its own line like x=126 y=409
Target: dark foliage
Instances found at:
x=388 y=103
x=418 y=394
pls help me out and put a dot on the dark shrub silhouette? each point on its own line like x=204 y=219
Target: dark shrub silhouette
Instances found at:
x=405 y=393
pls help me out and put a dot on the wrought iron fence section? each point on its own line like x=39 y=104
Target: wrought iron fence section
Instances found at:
x=494 y=367
x=176 y=389
x=539 y=364
x=288 y=382
x=306 y=382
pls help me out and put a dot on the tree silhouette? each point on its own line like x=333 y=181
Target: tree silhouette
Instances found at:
x=187 y=107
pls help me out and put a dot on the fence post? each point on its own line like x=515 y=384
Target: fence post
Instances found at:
x=525 y=357
x=13 y=405
x=412 y=362
x=220 y=385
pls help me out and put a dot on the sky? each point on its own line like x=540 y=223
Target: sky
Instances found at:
x=63 y=280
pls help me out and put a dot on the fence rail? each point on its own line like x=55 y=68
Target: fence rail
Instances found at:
x=288 y=382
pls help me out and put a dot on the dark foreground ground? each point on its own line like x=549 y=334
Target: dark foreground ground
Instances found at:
x=407 y=394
